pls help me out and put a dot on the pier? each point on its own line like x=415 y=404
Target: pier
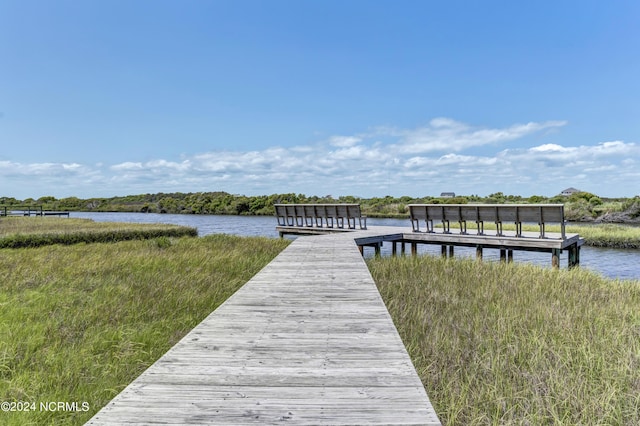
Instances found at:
x=308 y=340
x=448 y=238
x=29 y=210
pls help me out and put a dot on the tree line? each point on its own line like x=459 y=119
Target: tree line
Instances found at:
x=579 y=206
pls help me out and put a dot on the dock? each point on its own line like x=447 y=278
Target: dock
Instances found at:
x=507 y=242
x=317 y=219
x=308 y=340
x=29 y=211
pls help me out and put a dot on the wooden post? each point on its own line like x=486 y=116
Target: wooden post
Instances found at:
x=510 y=256
x=361 y=248
x=479 y=252
x=403 y=248
x=555 y=258
x=394 y=248
x=574 y=256
x=443 y=250
x=450 y=251
x=377 y=248
x=503 y=255
x=414 y=249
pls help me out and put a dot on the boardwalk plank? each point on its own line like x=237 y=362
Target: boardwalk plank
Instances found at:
x=307 y=340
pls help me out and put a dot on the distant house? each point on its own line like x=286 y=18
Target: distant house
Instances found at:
x=569 y=191
x=447 y=194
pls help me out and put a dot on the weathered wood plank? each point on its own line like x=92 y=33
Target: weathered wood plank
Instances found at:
x=308 y=340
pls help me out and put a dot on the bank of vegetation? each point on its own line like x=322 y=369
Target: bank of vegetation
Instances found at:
x=581 y=206
x=493 y=343
x=19 y=232
x=79 y=322
x=502 y=343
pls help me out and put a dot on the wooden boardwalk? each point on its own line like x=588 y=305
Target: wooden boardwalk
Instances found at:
x=307 y=340
x=553 y=243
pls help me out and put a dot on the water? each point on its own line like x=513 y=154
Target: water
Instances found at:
x=613 y=263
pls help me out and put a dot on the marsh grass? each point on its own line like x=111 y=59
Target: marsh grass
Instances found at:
x=80 y=322
x=18 y=232
x=517 y=344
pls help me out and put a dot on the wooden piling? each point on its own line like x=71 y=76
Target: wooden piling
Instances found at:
x=574 y=256
x=555 y=258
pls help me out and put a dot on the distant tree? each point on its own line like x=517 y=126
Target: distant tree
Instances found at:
x=536 y=199
x=496 y=198
x=45 y=200
x=587 y=196
x=9 y=201
x=595 y=201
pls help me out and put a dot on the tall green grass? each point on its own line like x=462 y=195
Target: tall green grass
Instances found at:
x=79 y=323
x=17 y=232
x=517 y=344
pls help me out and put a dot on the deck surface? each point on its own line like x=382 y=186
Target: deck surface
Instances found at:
x=307 y=340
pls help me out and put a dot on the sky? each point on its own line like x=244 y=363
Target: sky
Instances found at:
x=368 y=98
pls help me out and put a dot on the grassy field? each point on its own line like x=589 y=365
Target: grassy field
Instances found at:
x=517 y=344
x=608 y=235
x=493 y=343
x=17 y=232
x=80 y=322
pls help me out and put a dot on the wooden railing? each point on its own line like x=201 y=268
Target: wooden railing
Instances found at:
x=498 y=214
x=320 y=215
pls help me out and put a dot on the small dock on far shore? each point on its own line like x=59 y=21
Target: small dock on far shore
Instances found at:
x=29 y=210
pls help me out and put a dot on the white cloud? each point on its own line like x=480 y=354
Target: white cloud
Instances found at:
x=344 y=141
x=420 y=161
x=444 y=134
x=127 y=166
x=550 y=147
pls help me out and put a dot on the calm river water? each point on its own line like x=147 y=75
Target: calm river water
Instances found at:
x=614 y=263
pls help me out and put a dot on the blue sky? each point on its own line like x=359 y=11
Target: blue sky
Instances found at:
x=366 y=98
